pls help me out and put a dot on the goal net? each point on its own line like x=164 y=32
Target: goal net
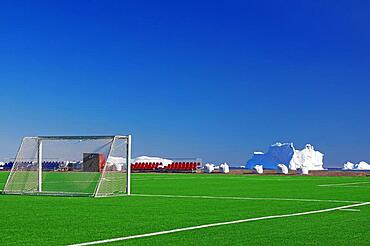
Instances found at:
x=72 y=165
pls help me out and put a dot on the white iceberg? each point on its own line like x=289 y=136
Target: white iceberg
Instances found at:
x=258 y=169
x=348 y=166
x=359 y=166
x=224 y=168
x=307 y=158
x=282 y=169
x=363 y=166
x=303 y=171
x=209 y=168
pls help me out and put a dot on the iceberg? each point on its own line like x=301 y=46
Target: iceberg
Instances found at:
x=209 y=168
x=285 y=154
x=282 y=169
x=303 y=171
x=258 y=169
x=348 y=166
x=363 y=166
x=359 y=166
x=224 y=168
x=277 y=154
x=307 y=158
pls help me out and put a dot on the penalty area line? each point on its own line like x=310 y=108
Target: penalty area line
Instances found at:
x=219 y=224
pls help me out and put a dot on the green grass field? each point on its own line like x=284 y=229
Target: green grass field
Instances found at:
x=68 y=183
x=175 y=201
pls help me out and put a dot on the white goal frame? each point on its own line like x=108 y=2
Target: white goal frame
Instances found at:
x=40 y=139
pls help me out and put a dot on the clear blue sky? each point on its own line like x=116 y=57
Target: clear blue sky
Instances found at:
x=210 y=79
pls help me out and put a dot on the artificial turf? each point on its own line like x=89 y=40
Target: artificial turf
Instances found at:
x=45 y=220
x=68 y=183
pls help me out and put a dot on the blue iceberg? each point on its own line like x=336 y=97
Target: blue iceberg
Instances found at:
x=279 y=153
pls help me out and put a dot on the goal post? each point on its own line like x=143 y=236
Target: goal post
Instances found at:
x=39 y=163
x=95 y=166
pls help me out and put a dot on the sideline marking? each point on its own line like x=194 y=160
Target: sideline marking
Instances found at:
x=218 y=224
x=342 y=184
x=247 y=198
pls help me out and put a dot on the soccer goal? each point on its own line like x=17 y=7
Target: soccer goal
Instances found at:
x=95 y=166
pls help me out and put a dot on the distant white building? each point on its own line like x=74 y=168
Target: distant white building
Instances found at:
x=165 y=162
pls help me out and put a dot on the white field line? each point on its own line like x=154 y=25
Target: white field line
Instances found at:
x=343 y=184
x=52 y=182
x=219 y=224
x=179 y=178
x=64 y=182
x=228 y=177
x=75 y=181
x=350 y=210
x=351 y=186
x=247 y=198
